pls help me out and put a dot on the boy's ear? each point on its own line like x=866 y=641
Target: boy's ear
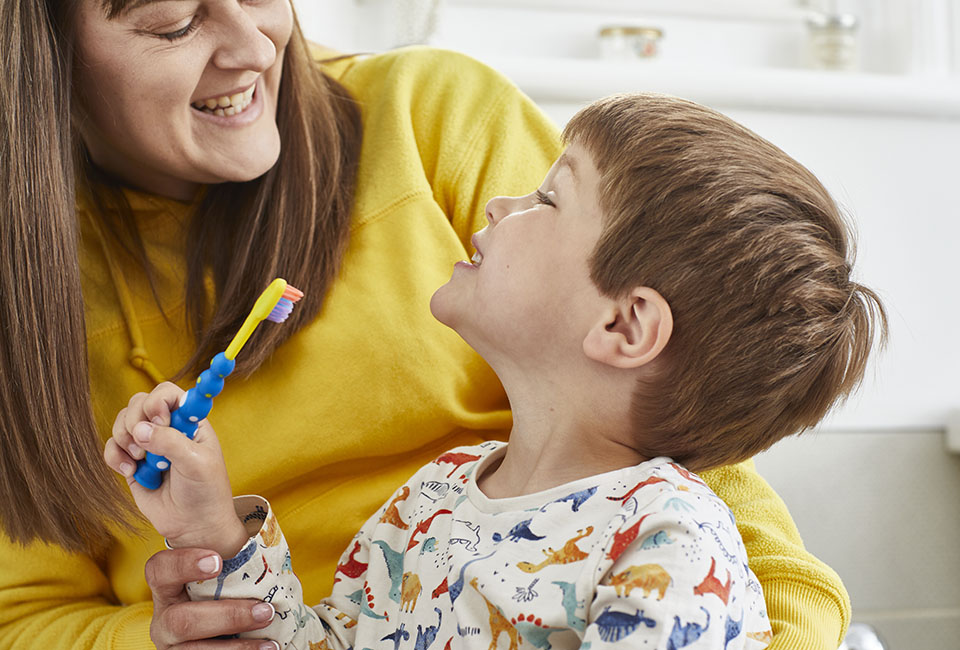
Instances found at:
x=632 y=331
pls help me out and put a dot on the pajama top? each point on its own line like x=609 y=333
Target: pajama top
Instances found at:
x=641 y=557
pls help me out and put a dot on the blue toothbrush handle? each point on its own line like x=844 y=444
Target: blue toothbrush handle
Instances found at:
x=194 y=406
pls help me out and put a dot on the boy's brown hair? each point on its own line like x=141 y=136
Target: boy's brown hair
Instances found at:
x=754 y=258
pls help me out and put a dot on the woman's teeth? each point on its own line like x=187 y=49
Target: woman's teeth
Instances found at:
x=227 y=105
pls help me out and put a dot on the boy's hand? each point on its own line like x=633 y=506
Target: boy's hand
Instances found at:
x=193 y=507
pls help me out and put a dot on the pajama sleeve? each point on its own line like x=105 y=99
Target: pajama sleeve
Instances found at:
x=674 y=575
x=263 y=569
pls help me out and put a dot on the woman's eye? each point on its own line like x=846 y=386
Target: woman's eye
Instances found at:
x=544 y=199
x=180 y=33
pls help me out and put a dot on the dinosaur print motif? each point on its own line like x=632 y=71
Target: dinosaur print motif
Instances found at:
x=566 y=555
x=469 y=539
x=410 y=591
x=424 y=526
x=570 y=605
x=364 y=599
x=234 y=564
x=658 y=539
x=683 y=635
x=392 y=515
x=320 y=646
x=653 y=480
x=457 y=587
x=685 y=473
x=518 y=532
x=442 y=588
x=397 y=637
x=711 y=585
x=623 y=538
x=648 y=577
x=499 y=624
x=614 y=626
x=426 y=636
x=678 y=504
x=456 y=459
x=270 y=533
x=394 y=560
x=533 y=631
x=351 y=568
x=763 y=637
x=733 y=629
x=576 y=499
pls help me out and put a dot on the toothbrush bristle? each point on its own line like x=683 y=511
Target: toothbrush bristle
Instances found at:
x=284 y=306
x=292 y=294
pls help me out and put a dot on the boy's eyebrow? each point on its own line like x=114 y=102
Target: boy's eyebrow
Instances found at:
x=570 y=163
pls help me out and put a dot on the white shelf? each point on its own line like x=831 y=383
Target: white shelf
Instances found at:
x=580 y=80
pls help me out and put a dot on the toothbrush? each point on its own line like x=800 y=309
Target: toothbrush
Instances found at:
x=274 y=304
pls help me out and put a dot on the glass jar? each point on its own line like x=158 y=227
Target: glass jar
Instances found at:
x=832 y=41
x=625 y=42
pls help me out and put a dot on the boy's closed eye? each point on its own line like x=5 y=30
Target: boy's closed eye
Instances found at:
x=544 y=199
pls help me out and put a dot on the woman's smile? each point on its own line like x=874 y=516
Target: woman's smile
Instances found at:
x=238 y=109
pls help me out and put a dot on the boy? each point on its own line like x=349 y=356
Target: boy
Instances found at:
x=675 y=296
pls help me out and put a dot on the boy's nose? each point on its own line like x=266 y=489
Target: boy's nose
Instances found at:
x=496 y=208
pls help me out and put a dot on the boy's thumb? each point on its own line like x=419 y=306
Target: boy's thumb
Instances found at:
x=165 y=441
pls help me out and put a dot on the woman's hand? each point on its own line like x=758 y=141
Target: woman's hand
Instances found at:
x=179 y=623
x=193 y=507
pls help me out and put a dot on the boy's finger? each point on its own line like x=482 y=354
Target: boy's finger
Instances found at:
x=186 y=454
x=117 y=459
x=162 y=400
x=122 y=436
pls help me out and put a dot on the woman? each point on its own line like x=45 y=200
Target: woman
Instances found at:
x=137 y=234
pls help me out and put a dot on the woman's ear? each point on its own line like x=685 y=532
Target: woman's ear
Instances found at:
x=632 y=331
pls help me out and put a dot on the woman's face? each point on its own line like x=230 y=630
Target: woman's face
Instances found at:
x=149 y=77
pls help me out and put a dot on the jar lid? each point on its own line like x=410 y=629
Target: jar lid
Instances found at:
x=819 y=20
x=630 y=30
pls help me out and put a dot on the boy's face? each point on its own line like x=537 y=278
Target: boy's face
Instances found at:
x=528 y=292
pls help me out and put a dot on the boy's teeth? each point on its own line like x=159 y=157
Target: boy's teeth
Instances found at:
x=227 y=104
x=477 y=258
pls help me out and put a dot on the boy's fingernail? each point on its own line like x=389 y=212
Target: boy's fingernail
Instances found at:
x=262 y=612
x=142 y=431
x=135 y=450
x=209 y=564
x=156 y=419
x=269 y=645
x=126 y=469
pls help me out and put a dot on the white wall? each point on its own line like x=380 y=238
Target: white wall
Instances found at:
x=873 y=490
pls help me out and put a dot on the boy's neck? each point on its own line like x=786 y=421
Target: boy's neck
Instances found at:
x=557 y=441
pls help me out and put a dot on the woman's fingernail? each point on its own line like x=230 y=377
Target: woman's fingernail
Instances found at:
x=269 y=645
x=142 y=431
x=126 y=469
x=262 y=612
x=209 y=564
x=156 y=419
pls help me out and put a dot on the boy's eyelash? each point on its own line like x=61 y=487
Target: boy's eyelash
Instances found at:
x=181 y=33
x=544 y=199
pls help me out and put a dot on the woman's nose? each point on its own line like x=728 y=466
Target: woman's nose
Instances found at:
x=244 y=45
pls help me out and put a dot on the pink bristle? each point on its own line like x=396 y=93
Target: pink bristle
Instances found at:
x=292 y=294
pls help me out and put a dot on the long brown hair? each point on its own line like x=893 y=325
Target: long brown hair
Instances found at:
x=292 y=222
x=754 y=258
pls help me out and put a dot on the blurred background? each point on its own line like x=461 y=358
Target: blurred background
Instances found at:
x=866 y=93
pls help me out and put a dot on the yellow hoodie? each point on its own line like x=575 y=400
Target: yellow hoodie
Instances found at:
x=355 y=402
